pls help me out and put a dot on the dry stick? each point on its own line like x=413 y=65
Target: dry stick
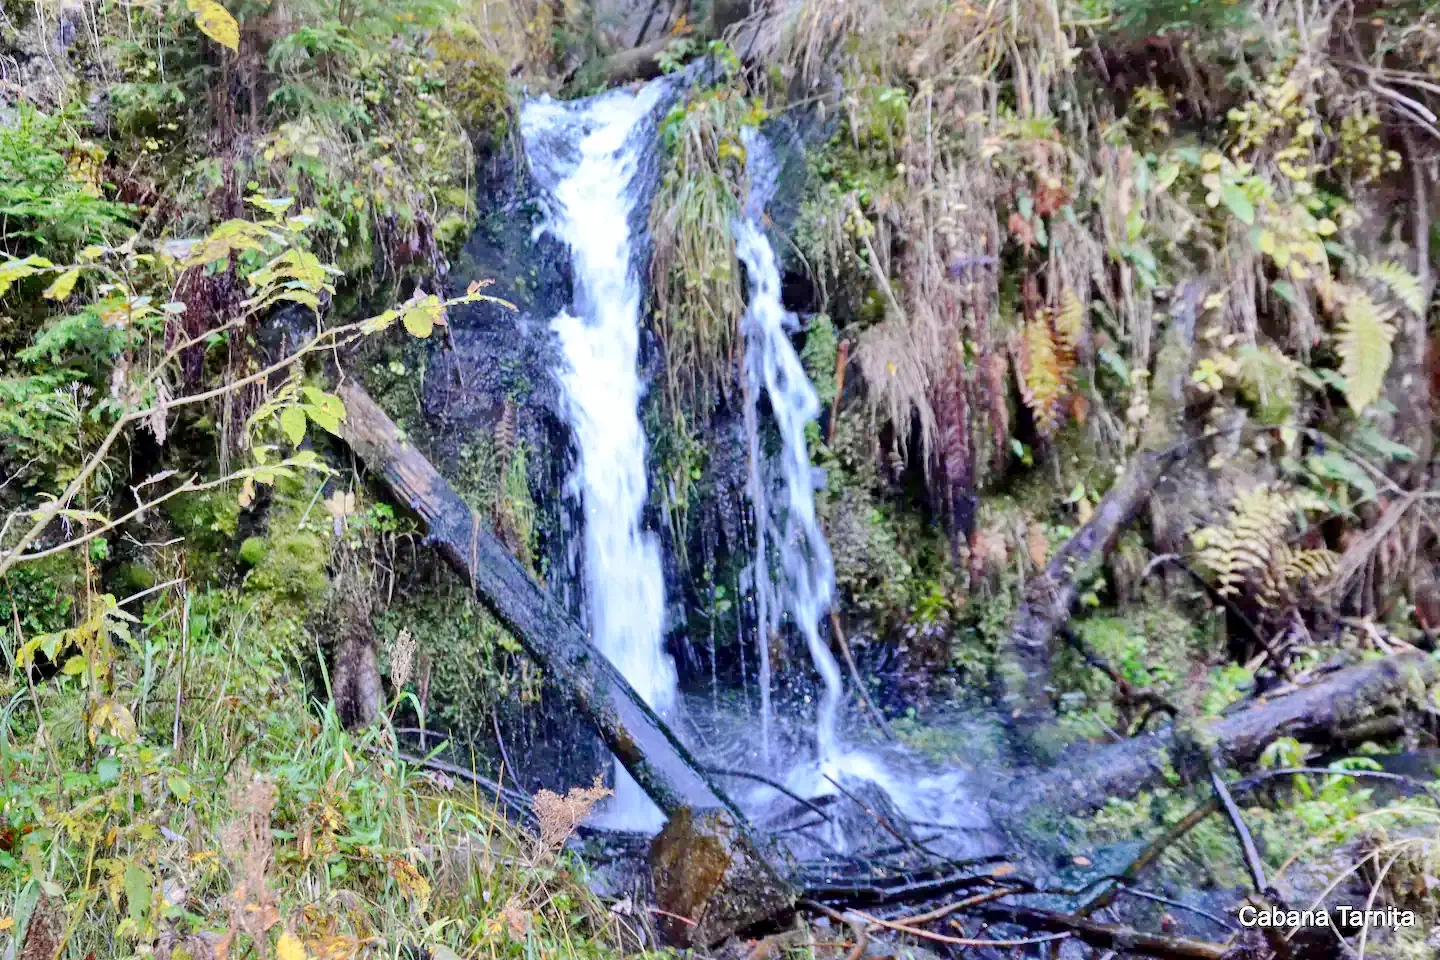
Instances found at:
x=865 y=699
x=862 y=938
x=180 y=680
x=938 y=913
x=1242 y=832
x=1107 y=936
x=961 y=941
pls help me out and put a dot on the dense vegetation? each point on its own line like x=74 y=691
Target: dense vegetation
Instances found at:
x=1028 y=242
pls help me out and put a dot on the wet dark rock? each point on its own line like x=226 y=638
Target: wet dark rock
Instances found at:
x=709 y=871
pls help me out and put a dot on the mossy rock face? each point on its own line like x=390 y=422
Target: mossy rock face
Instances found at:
x=293 y=570
x=136 y=576
x=476 y=82
x=209 y=522
x=43 y=591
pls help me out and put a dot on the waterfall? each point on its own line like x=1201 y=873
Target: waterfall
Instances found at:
x=806 y=582
x=587 y=155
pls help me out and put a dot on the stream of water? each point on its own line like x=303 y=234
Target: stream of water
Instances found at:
x=591 y=202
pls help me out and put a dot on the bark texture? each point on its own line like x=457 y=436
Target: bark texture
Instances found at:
x=1336 y=707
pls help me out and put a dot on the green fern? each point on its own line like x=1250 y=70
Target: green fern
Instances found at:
x=1403 y=284
x=1364 y=342
x=1249 y=549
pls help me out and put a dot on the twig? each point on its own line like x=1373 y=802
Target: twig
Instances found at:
x=180 y=678
x=839 y=634
x=1242 y=832
x=772 y=784
x=961 y=941
x=862 y=939
x=1107 y=936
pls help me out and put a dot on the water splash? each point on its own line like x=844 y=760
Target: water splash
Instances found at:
x=588 y=154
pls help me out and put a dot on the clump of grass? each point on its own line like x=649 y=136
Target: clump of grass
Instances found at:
x=229 y=815
x=696 y=276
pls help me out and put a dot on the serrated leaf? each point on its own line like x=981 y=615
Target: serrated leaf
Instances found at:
x=63 y=286
x=421 y=318
x=180 y=787
x=1238 y=203
x=216 y=23
x=74 y=666
x=292 y=421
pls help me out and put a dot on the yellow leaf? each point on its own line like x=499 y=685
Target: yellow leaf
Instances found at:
x=1266 y=242
x=63 y=285
x=216 y=23
x=6 y=923
x=289 y=947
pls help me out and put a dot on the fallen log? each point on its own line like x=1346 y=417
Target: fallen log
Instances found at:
x=1325 y=709
x=707 y=866
x=1025 y=663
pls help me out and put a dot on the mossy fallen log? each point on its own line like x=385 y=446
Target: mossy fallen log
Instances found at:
x=1328 y=709
x=738 y=886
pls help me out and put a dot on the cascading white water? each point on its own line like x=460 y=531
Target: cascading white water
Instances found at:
x=590 y=205
x=807 y=572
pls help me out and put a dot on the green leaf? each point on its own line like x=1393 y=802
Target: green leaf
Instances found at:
x=108 y=769
x=292 y=421
x=1238 y=203
x=420 y=318
x=137 y=892
x=65 y=283
x=1334 y=466
x=74 y=666
x=1166 y=176
x=180 y=787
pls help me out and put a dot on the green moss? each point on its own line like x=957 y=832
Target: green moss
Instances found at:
x=252 y=551
x=1267 y=383
x=209 y=522
x=475 y=81
x=819 y=354
x=136 y=576
x=293 y=571
x=42 y=592
x=474 y=662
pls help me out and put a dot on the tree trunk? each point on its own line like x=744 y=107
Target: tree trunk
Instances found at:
x=1049 y=598
x=1340 y=707
x=729 y=884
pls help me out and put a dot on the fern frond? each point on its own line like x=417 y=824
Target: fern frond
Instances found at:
x=1042 y=372
x=1314 y=565
x=1403 y=284
x=1249 y=546
x=1364 y=340
x=1070 y=322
